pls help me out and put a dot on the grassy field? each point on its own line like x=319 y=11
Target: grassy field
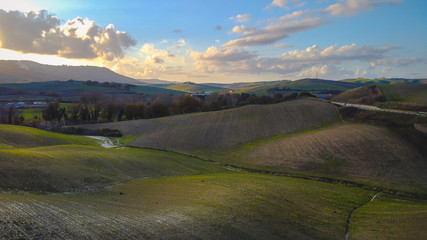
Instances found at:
x=219 y=206
x=55 y=186
x=389 y=217
x=385 y=81
x=36 y=160
x=211 y=131
x=12 y=136
x=192 y=87
x=310 y=85
x=406 y=94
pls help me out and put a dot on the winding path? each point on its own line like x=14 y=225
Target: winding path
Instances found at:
x=351 y=213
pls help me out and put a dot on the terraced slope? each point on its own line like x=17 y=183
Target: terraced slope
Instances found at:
x=369 y=154
x=227 y=129
x=220 y=206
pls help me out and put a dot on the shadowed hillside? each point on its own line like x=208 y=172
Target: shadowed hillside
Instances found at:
x=358 y=152
x=226 y=129
x=369 y=94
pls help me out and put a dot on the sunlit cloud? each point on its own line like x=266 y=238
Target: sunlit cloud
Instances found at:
x=80 y=38
x=242 y=18
x=353 y=7
x=274 y=32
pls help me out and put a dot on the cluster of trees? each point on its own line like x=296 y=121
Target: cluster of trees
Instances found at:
x=11 y=115
x=94 y=107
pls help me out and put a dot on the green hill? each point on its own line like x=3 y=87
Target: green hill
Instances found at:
x=190 y=87
x=317 y=86
x=385 y=81
x=36 y=160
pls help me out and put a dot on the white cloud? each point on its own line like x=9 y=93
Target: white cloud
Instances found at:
x=279 y=3
x=274 y=32
x=353 y=7
x=18 y=5
x=41 y=32
x=325 y=71
x=244 y=30
x=213 y=59
x=242 y=18
x=181 y=43
x=284 y=4
x=238 y=60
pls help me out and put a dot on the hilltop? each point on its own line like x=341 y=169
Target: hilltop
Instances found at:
x=28 y=71
x=316 y=86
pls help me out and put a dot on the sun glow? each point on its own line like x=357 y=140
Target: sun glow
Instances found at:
x=44 y=59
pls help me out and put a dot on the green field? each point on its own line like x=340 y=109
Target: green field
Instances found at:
x=310 y=85
x=406 y=94
x=219 y=206
x=190 y=87
x=56 y=186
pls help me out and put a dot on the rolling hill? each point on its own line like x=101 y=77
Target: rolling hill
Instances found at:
x=363 y=153
x=132 y=193
x=191 y=87
x=28 y=71
x=36 y=160
x=226 y=129
x=317 y=86
x=384 y=81
x=368 y=94
x=302 y=136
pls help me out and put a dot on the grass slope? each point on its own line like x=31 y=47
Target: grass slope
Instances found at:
x=12 y=136
x=36 y=160
x=311 y=85
x=390 y=218
x=404 y=93
x=363 y=153
x=220 y=206
x=190 y=87
x=226 y=129
x=385 y=81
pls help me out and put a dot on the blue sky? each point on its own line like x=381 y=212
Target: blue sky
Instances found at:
x=222 y=41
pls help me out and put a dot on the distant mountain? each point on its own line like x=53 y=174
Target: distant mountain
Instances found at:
x=27 y=71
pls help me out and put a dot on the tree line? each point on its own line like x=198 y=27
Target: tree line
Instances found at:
x=95 y=107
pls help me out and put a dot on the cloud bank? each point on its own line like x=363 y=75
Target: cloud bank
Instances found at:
x=80 y=38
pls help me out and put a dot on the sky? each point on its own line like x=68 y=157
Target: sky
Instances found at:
x=222 y=41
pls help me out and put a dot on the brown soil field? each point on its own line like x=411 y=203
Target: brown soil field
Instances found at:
x=226 y=129
x=370 y=154
x=363 y=95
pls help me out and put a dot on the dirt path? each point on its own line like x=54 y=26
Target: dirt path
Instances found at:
x=374 y=108
x=107 y=142
x=347 y=227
